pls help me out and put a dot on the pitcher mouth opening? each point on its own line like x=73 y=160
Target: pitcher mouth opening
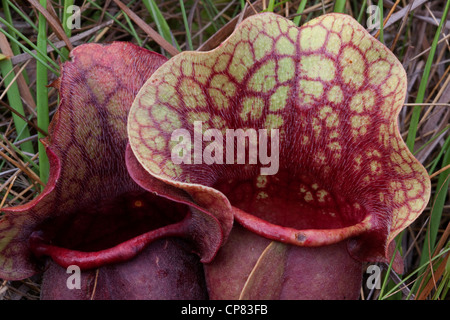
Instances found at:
x=295 y=210
x=112 y=231
x=303 y=237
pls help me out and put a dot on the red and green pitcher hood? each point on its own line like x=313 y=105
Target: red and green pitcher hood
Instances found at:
x=331 y=90
x=91 y=212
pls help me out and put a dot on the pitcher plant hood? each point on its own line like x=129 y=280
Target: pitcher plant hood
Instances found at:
x=330 y=91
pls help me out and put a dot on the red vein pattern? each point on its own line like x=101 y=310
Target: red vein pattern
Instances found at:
x=334 y=93
x=90 y=205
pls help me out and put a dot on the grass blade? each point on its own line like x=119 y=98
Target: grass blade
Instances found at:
x=361 y=12
x=42 y=95
x=25 y=49
x=410 y=140
x=147 y=29
x=133 y=31
x=113 y=17
x=13 y=95
x=439 y=156
x=8 y=17
x=339 y=6
x=52 y=21
x=271 y=5
x=186 y=27
x=381 y=31
x=161 y=23
x=300 y=9
x=437 y=209
x=65 y=23
x=13 y=32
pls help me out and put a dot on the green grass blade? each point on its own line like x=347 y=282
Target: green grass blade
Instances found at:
x=8 y=17
x=443 y=180
x=384 y=286
x=437 y=209
x=133 y=30
x=271 y=5
x=31 y=24
x=300 y=9
x=22 y=15
x=67 y=29
x=339 y=6
x=114 y=18
x=161 y=23
x=13 y=31
x=361 y=12
x=275 y=6
x=410 y=140
x=439 y=200
x=186 y=26
x=439 y=134
x=14 y=46
x=13 y=95
x=436 y=160
x=32 y=54
x=407 y=278
x=380 y=7
x=42 y=95
x=443 y=284
x=208 y=6
x=446 y=289
x=214 y=11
